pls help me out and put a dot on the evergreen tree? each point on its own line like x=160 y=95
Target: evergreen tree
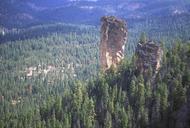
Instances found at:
x=124 y=119
x=143 y=38
x=108 y=120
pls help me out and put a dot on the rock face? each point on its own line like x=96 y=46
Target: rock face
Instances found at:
x=113 y=38
x=149 y=55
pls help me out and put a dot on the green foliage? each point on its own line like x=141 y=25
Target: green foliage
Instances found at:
x=117 y=98
x=143 y=38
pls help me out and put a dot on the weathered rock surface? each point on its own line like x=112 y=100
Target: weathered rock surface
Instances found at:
x=149 y=56
x=113 y=39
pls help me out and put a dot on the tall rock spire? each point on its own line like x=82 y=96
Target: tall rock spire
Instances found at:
x=149 y=56
x=113 y=39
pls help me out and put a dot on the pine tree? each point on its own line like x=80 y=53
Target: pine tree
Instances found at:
x=132 y=91
x=155 y=114
x=90 y=114
x=108 y=120
x=124 y=119
x=164 y=103
x=179 y=95
x=143 y=38
x=66 y=122
x=141 y=94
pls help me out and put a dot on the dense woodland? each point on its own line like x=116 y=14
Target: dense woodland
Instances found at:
x=50 y=78
x=118 y=98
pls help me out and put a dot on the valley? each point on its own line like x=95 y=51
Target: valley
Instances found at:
x=51 y=73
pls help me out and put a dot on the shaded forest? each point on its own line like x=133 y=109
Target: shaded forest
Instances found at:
x=50 y=76
x=119 y=98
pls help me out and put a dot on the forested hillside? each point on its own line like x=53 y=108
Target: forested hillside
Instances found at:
x=51 y=77
x=24 y=13
x=72 y=50
x=119 y=98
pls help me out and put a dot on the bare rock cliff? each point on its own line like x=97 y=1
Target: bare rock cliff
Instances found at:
x=149 y=55
x=113 y=39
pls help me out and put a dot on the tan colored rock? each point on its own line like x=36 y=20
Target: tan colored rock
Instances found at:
x=149 y=55
x=113 y=39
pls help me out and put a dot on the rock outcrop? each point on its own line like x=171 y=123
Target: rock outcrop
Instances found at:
x=149 y=56
x=113 y=39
